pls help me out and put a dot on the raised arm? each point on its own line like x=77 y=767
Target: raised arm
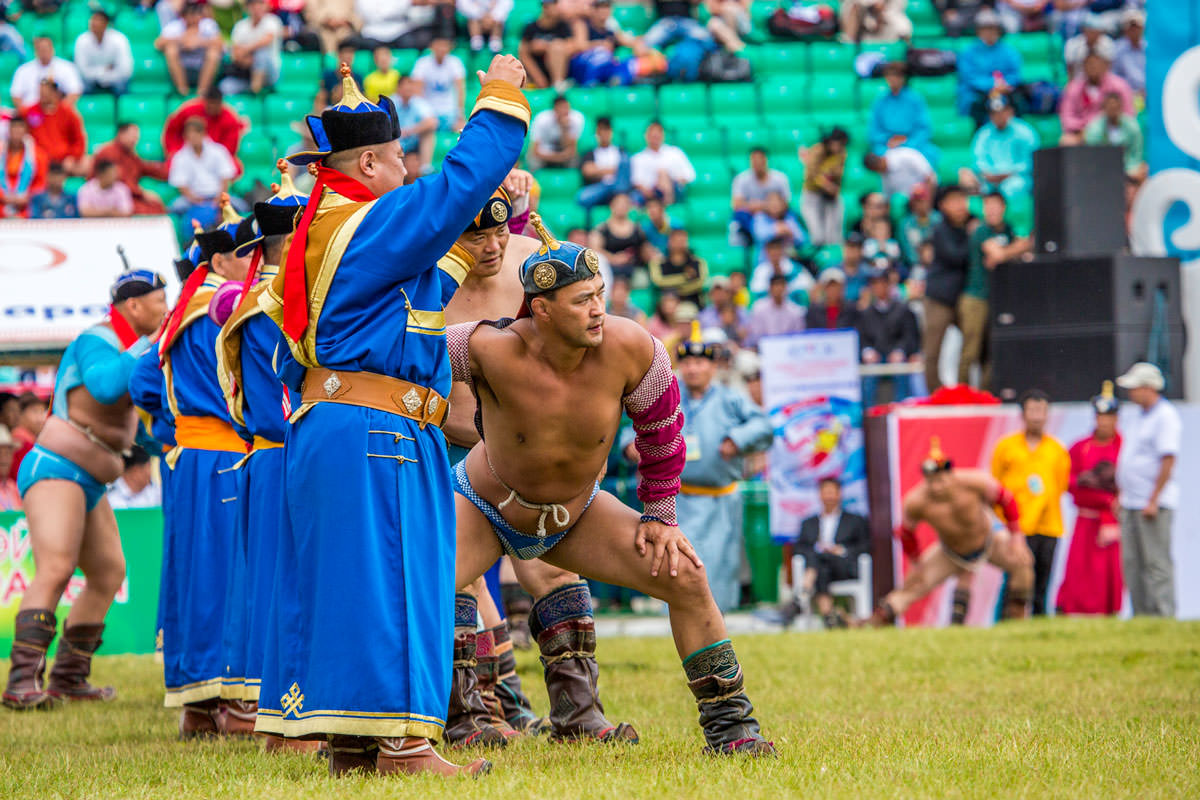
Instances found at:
x=105 y=369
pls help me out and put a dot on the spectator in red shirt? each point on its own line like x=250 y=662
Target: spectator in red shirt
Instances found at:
x=30 y=419
x=25 y=167
x=832 y=311
x=58 y=129
x=223 y=124
x=131 y=168
x=1083 y=98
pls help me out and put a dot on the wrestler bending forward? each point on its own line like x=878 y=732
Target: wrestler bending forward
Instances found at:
x=551 y=389
x=956 y=503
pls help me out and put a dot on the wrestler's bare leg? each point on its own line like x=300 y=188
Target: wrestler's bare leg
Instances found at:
x=507 y=573
x=56 y=513
x=601 y=546
x=103 y=564
x=1015 y=559
x=489 y=613
x=478 y=547
x=933 y=568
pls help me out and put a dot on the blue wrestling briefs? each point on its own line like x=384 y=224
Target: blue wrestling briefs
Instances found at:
x=516 y=544
x=40 y=464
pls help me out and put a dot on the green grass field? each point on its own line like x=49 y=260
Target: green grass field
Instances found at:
x=1062 y=708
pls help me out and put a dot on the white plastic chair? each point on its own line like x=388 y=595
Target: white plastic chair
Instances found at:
x=859 y=590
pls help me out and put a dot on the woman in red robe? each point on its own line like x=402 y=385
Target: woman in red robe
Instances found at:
x=1092 y=583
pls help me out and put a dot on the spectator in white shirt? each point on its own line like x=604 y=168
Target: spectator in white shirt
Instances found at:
x=661 y=170
x=403 y=24
x=200 y=171
x=443 y=83
x=485 y=18
x=902 y=169
x=605 y=169
x=193 y=48
x=750 y=190
x=104 y=195
x=254 y=58
x=26 y=88
x=136 y=487
x=555 y=134
x=103 y=56
x=1148 y=492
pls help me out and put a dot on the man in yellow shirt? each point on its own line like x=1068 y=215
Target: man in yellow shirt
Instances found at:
x=1036 y=468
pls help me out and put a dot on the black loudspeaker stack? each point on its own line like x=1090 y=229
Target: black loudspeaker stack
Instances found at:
x=1082 y=311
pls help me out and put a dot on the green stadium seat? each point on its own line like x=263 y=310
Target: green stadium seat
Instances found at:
x=832 y=94
x=922 y=11
x=784 y=96
x=247 y=105
x=403 y=60
x=148 y=111
x=629 y=131
x=635 y=101
x=285 y=110
x=925 y=29
x=785 y=136
x=733 y=99
x=633 y=18
x=150 y=74
x=559 y=185
x=592 y=102
x=561 y=217
x=540 y=99
x=858 y=179
x=682 y=99
x=832 y=57
x=699 y=142
x=781 y=59
x=953 y=158
x=742 y=138
x=139 y=27
x=708 y=215
x=150 y=148
x=258 y=155
x=99 y=134
x=95 y=109
x=1049 y=128
x=953 y=131
x=724 y=260
x=1035 y=48
x=712 y=182
x=938 y=92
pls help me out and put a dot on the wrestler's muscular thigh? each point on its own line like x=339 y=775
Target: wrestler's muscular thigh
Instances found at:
x=55 y=511
x=1018 y=565
x=478 y=547
x=601 y=546
x=933 y=568
x=103 y=563
x=539 y=577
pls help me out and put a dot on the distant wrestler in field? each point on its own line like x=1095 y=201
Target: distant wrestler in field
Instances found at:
x=957 y=504
x=487 y=704
x=551 y=389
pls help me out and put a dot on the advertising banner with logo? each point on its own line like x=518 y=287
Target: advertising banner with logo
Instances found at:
x=812 y=391
x=968 y=437
x=131 y=620
x=56 y=273
x=1166 y=215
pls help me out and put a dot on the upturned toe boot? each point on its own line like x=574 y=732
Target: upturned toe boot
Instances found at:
x=487 y=676
x=468 y=720
x=726 y=713
x=200 y=720
x=411 y=755
x=514 y=704
x=73 y=665
x=34 y=631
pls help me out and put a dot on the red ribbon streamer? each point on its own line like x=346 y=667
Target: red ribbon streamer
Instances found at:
x=121 y=327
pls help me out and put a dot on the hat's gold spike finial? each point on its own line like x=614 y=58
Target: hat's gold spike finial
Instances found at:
x=548 y=242
x=351 y=96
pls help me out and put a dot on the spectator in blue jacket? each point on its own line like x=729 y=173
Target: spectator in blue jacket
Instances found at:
x=900 y=116
x=1003 y=152
x=986 y=66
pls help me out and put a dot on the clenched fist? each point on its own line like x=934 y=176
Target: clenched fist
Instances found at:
x=504 y=68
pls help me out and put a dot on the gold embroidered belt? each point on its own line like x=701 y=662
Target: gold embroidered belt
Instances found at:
x=708 y=491
x=371 y=390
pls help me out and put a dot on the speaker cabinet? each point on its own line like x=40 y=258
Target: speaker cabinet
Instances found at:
x=1079 y=201
x=1066 y=324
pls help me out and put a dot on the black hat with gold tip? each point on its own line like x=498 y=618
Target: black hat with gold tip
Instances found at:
x=1106 y=402
x=936 y=461
x=695 y=346
x=556 y=264
x=233 y=233
x=496 y=212
x=354 y=122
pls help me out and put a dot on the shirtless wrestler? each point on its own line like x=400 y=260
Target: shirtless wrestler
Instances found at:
x=80 y=449
x=957 y=505
x=551 y=388
x=487 y=704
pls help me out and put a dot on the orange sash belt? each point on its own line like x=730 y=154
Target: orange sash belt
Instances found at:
x=708 y=491
x=207 y=433
x=261 y=443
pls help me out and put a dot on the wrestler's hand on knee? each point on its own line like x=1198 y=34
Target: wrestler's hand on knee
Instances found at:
x=668 y=543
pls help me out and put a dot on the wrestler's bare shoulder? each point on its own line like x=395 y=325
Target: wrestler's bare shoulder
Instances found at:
x=519 y=248
x=975 y=480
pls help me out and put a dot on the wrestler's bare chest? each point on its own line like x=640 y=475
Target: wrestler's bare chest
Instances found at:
x=960 y=520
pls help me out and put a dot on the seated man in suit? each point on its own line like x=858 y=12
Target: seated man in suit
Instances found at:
x=831 y=543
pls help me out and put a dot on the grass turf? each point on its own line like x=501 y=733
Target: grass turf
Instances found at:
x=1073 y=708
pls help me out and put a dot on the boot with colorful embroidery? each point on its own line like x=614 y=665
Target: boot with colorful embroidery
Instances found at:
x=487 y=676
x=468 y=720
x=34 y=631
x=715 y=678
x=566 y=635
x=514 y=704
x=73 y=665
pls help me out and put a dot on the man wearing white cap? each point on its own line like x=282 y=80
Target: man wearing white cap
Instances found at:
x=1148 y=492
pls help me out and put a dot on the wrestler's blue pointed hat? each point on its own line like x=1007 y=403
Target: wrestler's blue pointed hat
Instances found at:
x=354 y=122
x=135 y=283
x=556 y=264
x=1106 y=402
x=229 y=235
x=695 y=346
x=276 y=216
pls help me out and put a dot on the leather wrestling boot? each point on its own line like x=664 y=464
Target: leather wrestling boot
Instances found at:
x=1017 y=603
x=274 y=743
x=200 y=720
x=958 y=611
x=487 y=675
x=514 y=705
x=411 y=755
x=882 y=617
x=468 y=720
x=517 y=605
x=73 y=664
x=237 y=717
x=572 y=676
x=352 y=754
x=34 y=631
x=715 y=678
